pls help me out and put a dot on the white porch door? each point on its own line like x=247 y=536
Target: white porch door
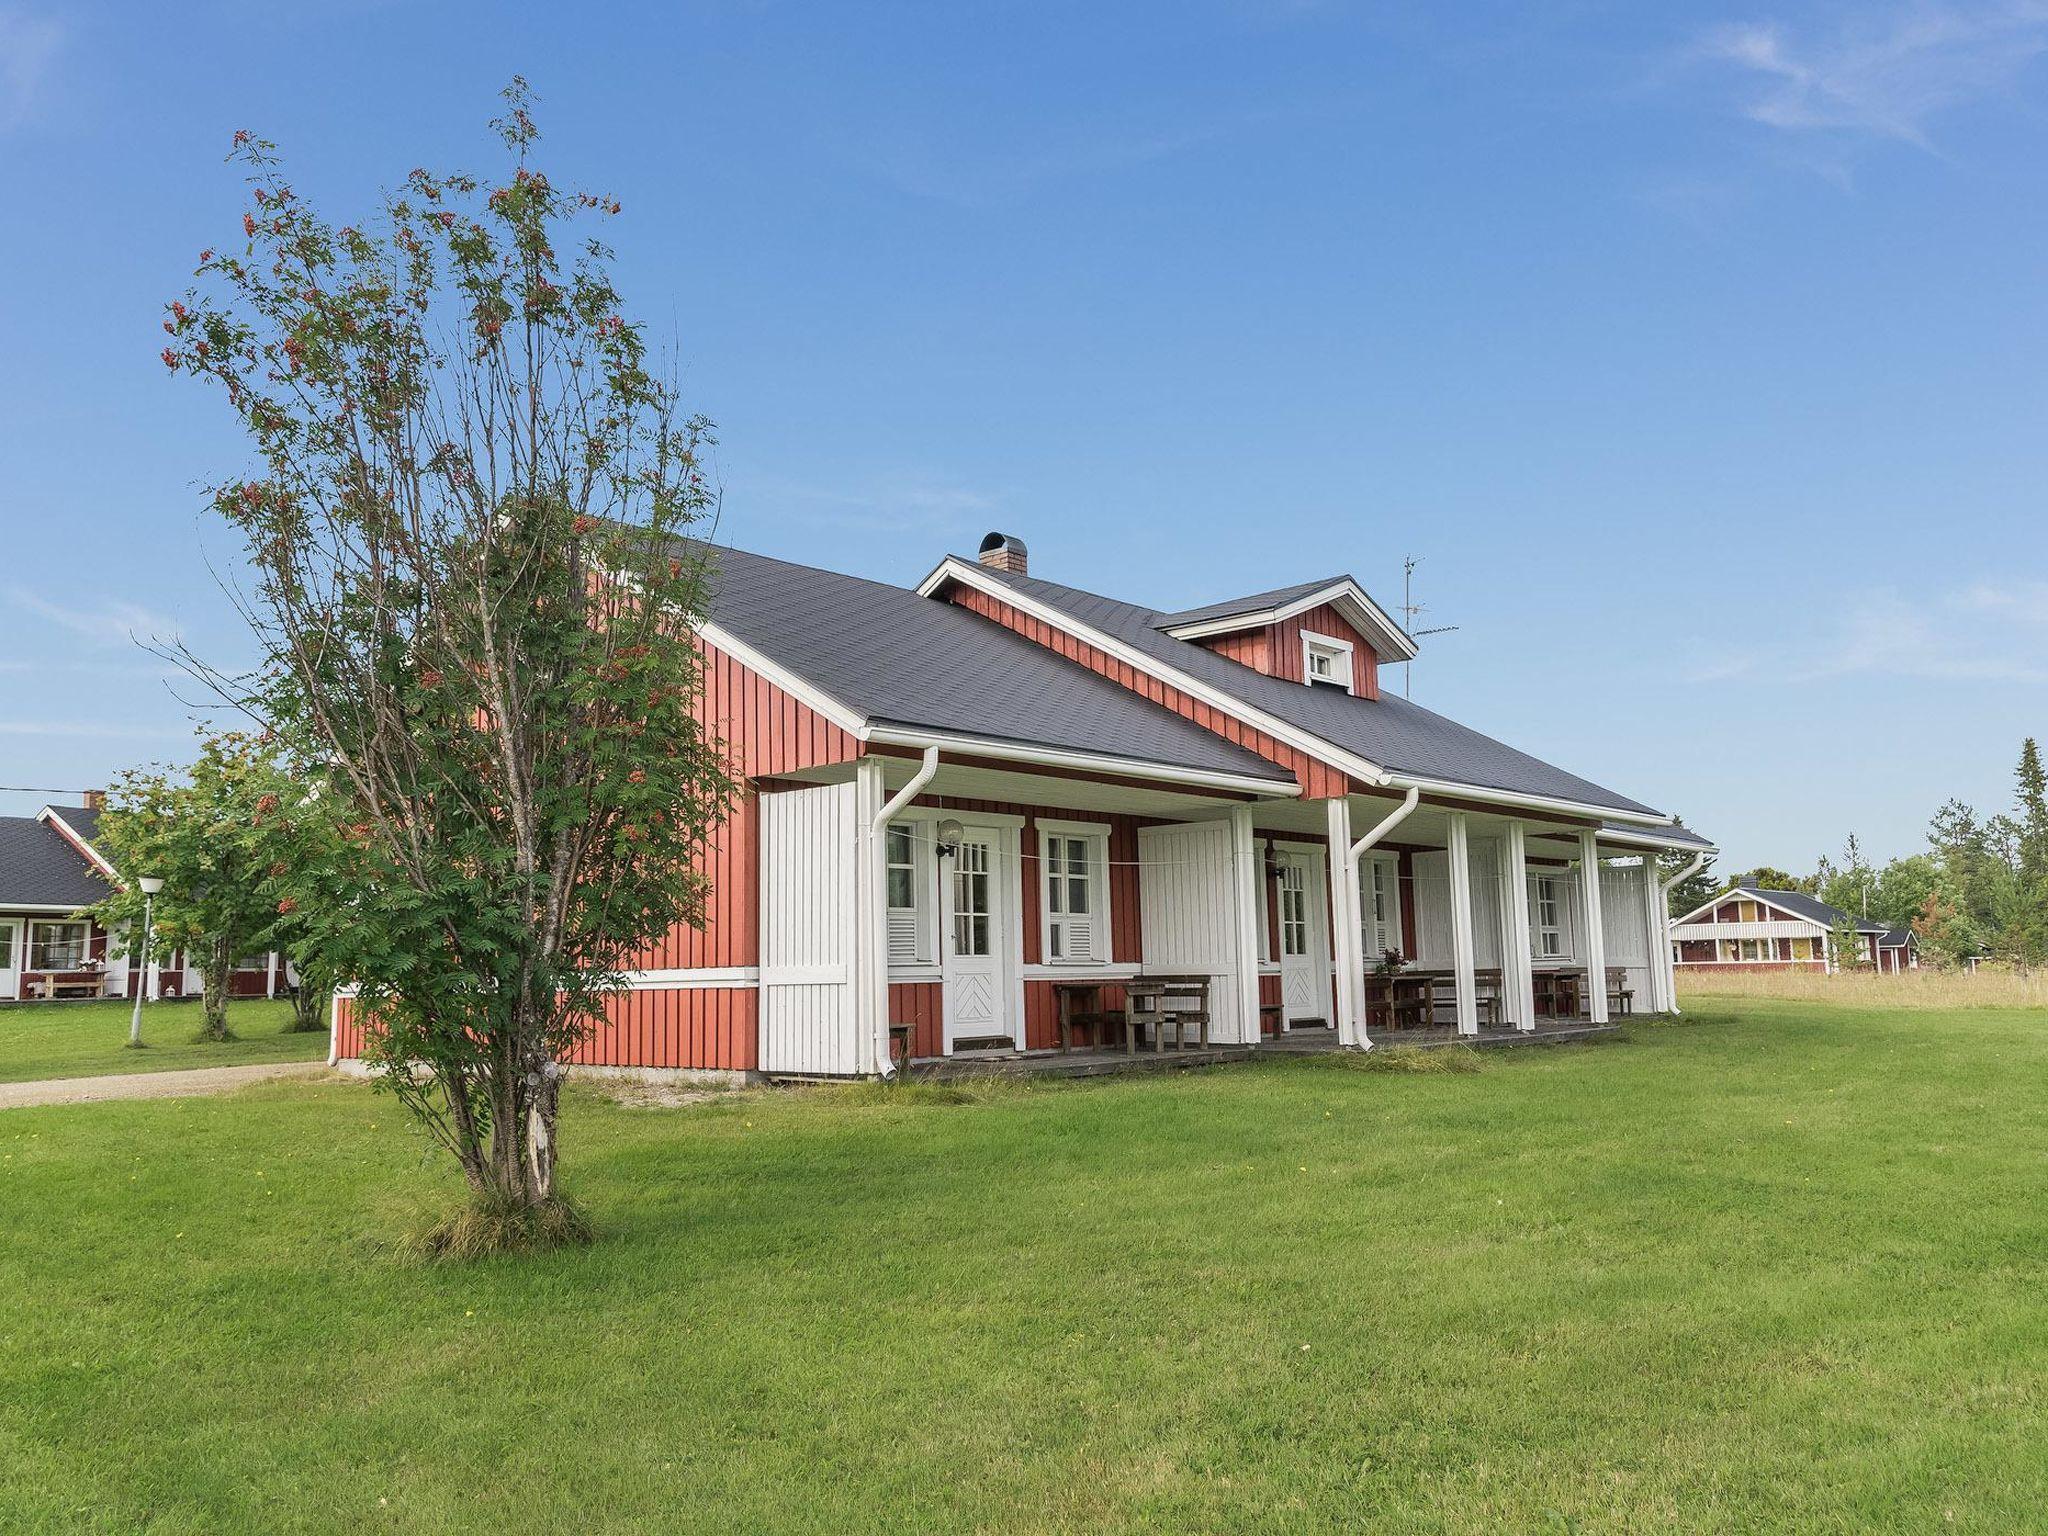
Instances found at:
x=10 y=958
x=971 y=913
x=1304 y=940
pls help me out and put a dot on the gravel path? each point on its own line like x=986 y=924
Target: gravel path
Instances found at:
x=150 y=1085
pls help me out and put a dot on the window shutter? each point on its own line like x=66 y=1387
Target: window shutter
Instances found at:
x=903 y=926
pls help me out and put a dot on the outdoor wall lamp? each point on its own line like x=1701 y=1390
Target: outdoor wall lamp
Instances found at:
x=948 y=834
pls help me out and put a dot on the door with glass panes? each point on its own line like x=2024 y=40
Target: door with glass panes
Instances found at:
x=973 y=933
x=1304 y=940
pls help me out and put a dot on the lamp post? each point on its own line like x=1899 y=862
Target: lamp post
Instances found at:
x=150 y=884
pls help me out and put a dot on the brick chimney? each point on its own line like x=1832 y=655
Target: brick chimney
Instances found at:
x=95 y=799
x=1006 y=552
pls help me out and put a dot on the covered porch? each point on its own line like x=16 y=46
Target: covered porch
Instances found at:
x=934 y=907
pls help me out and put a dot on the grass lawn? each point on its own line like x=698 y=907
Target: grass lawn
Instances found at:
x=87 y=1039
x=1775 y=1267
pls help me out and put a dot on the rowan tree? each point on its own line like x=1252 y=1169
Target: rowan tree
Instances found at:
x=475 y=608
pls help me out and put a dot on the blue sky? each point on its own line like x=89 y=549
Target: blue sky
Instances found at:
x=1698 y=353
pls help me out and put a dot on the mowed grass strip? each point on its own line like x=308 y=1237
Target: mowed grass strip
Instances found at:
x=45 y=1040
x=1775 y=1268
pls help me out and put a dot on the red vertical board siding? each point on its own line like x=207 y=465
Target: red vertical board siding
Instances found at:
x=1405 y=878
x=711 y=1028
x=919 y=1004
x=1249 y=647
x=1285 y=646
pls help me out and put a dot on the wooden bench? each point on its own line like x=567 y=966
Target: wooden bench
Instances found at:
x=1621 y=997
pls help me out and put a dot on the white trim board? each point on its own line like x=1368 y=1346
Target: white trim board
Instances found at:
x=953 y=568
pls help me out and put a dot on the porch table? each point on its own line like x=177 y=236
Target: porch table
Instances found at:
x=1149 y=1004
x=1078 y=1005
x=1560 y=991
x=1405 y=1001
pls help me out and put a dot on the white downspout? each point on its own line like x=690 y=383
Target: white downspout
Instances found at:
x=1699 y=862
x=1352 y=855
x=879 y=954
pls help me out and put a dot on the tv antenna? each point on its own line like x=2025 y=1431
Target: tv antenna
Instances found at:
x=1410 y=611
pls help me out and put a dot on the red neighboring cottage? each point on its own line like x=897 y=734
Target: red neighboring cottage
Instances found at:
x=1750 y=928
x=50 y=873
x=965 y=797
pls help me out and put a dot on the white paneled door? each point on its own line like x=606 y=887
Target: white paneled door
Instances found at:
x=972 y=916
x=10 y=957
x=1304 y=940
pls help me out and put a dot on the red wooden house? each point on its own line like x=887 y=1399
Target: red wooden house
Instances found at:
x=964 y=794
x=51 y=871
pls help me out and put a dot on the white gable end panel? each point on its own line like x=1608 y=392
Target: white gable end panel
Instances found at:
x=1187 y=915
x=807 y=932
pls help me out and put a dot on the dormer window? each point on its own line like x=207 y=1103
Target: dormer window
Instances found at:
x=1325 y=662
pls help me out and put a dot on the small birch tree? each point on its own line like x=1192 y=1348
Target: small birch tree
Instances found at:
x=475 y=609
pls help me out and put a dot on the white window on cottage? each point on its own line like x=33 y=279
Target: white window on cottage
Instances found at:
x=1325 y=661
x=906 y=851
x=1380 y=911
x=1073 y=859
x=57 y=946
x=1549 y=917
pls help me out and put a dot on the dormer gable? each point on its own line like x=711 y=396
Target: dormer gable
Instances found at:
x=1327 y=634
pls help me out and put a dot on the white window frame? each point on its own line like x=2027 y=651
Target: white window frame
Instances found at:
x=1561 y=898
x=911 y=942
x=1055 y=928
x=1340 y=654
x=34 y=943
x=1380 y=933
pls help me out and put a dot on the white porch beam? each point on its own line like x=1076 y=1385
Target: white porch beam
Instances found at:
x=1518 y=963
x=872 y=808
x=1347 y=945
x=1596 y=933
x=1464 y=984
x=1244 y=879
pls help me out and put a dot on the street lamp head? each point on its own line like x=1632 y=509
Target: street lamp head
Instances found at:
x=151 y=884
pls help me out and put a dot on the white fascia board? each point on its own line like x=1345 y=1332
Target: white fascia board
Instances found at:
x=801 y=689
x=1389 y=640
x=1740 y=893
x=1091 y=762
x=1512 y=800
x=45 y=909
x=952 y=568
x=50 y=816
x=1646 y=837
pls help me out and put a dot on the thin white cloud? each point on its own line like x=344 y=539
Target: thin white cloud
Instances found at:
x=904 y=503
x=112 y=623
x=92 y=728
x=1979 y=633
x=28 y=50
x=1891 y=76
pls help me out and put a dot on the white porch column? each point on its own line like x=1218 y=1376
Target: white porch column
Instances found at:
x=1518 y=961
x=1596 y=935
x=1657 y=919
x=1244 y=881
x=270 y=976
x=1463 y=983
x=1347 y=944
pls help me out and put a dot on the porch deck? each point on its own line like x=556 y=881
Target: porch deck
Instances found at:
x=1296 y=1042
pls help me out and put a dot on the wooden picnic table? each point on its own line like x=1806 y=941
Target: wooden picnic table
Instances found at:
x=1560 y=991
x=1403 y=1001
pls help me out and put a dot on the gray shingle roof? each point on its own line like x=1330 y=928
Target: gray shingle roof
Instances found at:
x=1393 y=732
x=897 y=658
x=1813 y=909
x=39 y=868
x=1257 y=602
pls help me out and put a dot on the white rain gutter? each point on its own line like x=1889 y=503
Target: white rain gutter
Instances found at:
x=890 y=807
x=1392 y=820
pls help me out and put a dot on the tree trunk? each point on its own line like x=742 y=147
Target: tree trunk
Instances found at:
x=309 y=1003
x=219 y=965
